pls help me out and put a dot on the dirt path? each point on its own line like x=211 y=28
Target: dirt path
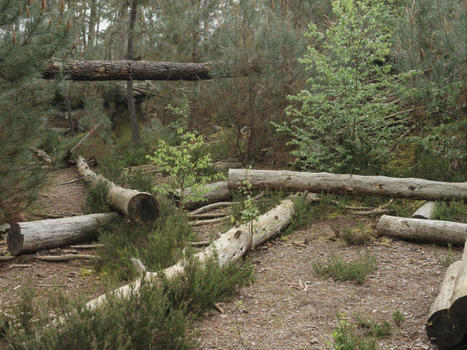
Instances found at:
x=289 y=307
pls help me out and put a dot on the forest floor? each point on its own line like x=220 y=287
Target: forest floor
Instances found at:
x=288 y=306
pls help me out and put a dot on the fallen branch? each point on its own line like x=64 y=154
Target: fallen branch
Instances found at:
x=84 y=138
x=230 y=247
x=373 y=212
x=206 y=222
x=67 y=257
x=214 y=192
x=86 y=246
x=212 y=207
x=422 y=230
x=138 y=206
x=200 y=243
x=69 y=182
x=207 y=216
x=348 y=184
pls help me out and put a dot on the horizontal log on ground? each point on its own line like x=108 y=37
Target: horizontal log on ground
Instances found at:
x=422 y=230
x=138 y=206
x=348 y=184
x=32 y=236
x=440 y=328
x=426 y=211
x=230 y=247
x=215 y=192
x=66 y=257
x=137 y=70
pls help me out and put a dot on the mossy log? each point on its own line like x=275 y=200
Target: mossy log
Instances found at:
x=422 y=230
x=230 y=247
x=138 y=206
x=348 y=184
x=32 y=236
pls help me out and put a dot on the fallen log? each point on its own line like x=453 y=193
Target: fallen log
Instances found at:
x=458 y=309
x=215 y=192
x=422 y=230
x=230 y=247
x=137 y=70
x=426 y=211
x=348 y=184
x=32 y=236
x=42 y=155
x=440 y=328
x=138 y=206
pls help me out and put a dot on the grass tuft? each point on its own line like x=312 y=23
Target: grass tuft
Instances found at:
x=341 y=270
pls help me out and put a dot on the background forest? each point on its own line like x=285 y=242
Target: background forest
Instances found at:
x=374 y=89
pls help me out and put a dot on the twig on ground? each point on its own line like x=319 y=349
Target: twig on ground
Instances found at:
x=67 y=257
x=69 y=182
x=211 y=207
x=207 y=216
x=206 y=222
x=20 y=265
x=86 y=246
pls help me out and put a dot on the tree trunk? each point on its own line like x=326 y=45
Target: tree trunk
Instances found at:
x=92 y=23
x=230 y=247
x=138 y=206
x=215 y=192
x=129 y=84
x=348 y=184
x=440 y=328
x=422 y=230
x=32 y=236
x=138 y=70
x=458 y=309
x=426 y=211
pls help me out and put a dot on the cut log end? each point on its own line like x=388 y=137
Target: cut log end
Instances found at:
x=15 y=240
x=143 y=208
x=442 y=331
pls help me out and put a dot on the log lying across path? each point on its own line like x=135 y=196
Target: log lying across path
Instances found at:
x=348 y=184
x=214 y=192
x=230 y=247
x=32 y=236
x=138 y=206
x=422 y=230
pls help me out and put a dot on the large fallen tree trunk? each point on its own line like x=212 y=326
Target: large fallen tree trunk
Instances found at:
x=422 y=230
x=230 y=247
x=32 y=236
x=441 y=330
x=348 y=184
x=458 y=309
x=138 y=206
x=136 y=70
x=215 y=192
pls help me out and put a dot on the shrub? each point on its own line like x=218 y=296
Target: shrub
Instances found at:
x=96 y=198
x=361 y=235
x=452 y=211
x=346 y=337
x=340 y=270
x=398 y=317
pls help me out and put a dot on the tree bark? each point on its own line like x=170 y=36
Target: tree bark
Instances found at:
x=138 y=70
x=138 y=206
x=422 y=230
x=230 y=247
x=215 y=192
x=458 y=309
x=426 y=211
x=348 y=184
x=129 y=84
x=32 y=236
x=440 y=328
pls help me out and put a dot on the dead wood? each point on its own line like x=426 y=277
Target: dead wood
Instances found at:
x=426 y=211
x=138 y=206
x=66 y=257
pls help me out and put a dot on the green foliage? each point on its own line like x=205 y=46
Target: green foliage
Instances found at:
x=185 y=165
x=451 y=211
x=340 y=270
x=398 y=317
x=447 y=259
x=96 y=198
x=360 y=235
x=303 y=214
x=158 y=246
x=346 y=337
x=201 y=285
x=338 y=124
x=27 y=41
x=375 y=329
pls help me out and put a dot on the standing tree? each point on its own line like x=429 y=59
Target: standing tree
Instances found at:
x=30 y=33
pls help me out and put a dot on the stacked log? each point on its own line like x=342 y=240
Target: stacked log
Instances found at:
x=447 y=322
x=138 y=206
x=32 y=236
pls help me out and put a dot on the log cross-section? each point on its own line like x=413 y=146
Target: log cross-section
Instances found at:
x=138 y=206
x=348 y=184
